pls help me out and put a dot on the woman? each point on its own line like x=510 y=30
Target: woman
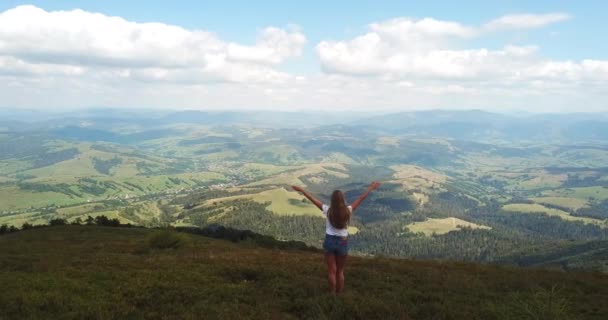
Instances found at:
x=337 y=216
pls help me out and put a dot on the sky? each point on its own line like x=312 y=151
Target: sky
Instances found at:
x=505 y=56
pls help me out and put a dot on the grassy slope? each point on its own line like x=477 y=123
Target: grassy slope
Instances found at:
x=570 y=203
x=593 y=254
x=122 y=176
x=418 y=181
x=15 y=198
x=77 y=272
x=279 y=202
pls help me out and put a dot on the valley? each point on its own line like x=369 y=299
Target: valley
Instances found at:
x=457 y=194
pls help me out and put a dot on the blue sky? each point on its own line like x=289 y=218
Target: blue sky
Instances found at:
x=560 y=46
x=237 y=20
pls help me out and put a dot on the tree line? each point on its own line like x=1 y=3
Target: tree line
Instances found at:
x=89 y=221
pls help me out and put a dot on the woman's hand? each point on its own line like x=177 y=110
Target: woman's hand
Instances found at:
x=374 y=186
x=362 y=197
x=309 y=196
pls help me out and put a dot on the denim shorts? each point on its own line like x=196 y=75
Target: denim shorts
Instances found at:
x=336 y=245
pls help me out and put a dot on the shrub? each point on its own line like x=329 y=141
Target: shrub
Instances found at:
x=105 y=221
x=167 y=239
x=26 y=226
x=539 y=304
x=57 y=222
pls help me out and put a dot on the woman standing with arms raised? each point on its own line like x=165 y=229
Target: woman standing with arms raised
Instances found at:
x=337 y=215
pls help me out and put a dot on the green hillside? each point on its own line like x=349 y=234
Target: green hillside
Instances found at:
x=79 y=272
x=593 y=255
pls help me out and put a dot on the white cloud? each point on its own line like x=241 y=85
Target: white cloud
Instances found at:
x=77 y=58
x=418 y=50
x=419 y=29
x=13 y=66
x=274 y=46
x=371 y=54
x=31 y=37
x=430 y=64
x=524 y=21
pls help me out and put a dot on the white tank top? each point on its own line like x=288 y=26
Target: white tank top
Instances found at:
x=329 y=229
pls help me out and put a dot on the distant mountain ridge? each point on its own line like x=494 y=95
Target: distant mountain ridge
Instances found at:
x=472 y=125
x=483 y=126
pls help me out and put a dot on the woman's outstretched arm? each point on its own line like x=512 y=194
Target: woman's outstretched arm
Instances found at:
x=310 y=197
x=362 y=197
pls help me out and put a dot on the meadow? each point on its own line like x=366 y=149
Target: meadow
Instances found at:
x=76 y=272
x=432 y=226
x=570 y=203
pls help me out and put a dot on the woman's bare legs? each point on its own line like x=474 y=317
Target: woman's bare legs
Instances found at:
x=340 y=263
x=330 y=258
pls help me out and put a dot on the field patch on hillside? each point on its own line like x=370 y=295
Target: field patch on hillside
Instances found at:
x=339 y=157
x=285 y=202
x=565 y=202
x=442 y=226
x=282 y=202
x=543 y=180
x=18 y=220
x=415 y=176
x=80 y=209
x=538 y=208
x=314 y=170
x=14 y=198
x=418 y=181
x=253 y=170
x=110 y=214
x=7 y=180
x=597 y=193
x=97 y=160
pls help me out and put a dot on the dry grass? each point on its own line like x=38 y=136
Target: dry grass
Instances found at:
x=419 y=181
x=79 y=272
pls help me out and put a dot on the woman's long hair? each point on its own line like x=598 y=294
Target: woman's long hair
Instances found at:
x=338 y=213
